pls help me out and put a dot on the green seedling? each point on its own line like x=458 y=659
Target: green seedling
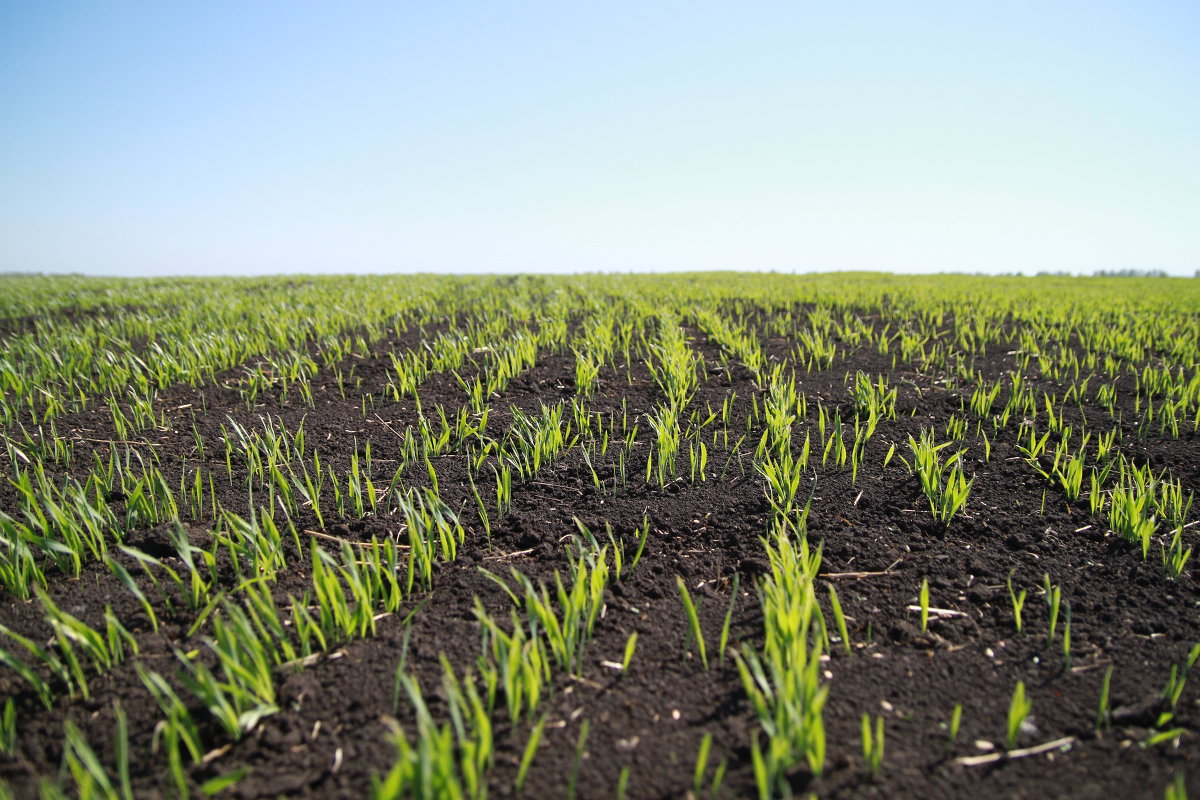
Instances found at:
x=88 y=773
x=783 y=680
x=701 y=764
x=872 y=745
x=953 y=727
x=1053 y=596
x=1018 y=601
x=630 y=646
x=693 y=620
x=723 y=642
x=577 y=761
x=535 y=738
x=8 y=728
x=1103 y=717
x=1175 y=557
x=1173 y=691
x=839 y=619
x=1018 y=710
x=945 y=486
x=924 y=602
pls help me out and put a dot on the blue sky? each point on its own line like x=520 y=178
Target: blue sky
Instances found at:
x=252 y=137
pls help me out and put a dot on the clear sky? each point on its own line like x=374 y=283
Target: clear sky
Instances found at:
x=249 y=137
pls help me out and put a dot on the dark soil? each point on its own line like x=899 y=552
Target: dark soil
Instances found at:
x=879 y=545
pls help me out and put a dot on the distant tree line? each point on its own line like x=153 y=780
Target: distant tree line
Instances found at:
x=1103 y=273
x=1132 y=273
